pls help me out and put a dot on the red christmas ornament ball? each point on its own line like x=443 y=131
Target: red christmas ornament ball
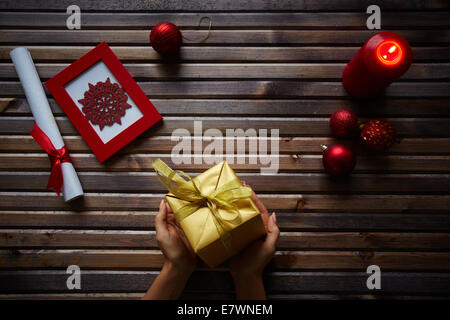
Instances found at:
x=166 y=38
x=378 y=135
x=338 y=160
x=344 y=123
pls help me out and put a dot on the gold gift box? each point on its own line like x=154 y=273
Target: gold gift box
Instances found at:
x=200 y=227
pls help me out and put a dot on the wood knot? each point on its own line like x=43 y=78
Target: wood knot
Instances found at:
x=300 y=204
x=365 y=255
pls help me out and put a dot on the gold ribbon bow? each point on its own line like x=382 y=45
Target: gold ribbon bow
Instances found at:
x=224 y=196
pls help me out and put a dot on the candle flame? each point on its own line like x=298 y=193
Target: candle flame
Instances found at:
x=389 y=52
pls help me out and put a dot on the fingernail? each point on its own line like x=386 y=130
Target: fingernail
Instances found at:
x=274 y=217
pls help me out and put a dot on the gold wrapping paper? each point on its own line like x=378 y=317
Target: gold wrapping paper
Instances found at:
x=220 y=219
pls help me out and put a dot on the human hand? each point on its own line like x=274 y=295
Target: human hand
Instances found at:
x=251 y=262
x=179 y=258
x=178 y=253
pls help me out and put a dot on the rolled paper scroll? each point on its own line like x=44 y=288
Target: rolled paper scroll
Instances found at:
x=43 y=116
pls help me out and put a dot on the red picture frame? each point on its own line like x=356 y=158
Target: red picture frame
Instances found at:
x=56 y=86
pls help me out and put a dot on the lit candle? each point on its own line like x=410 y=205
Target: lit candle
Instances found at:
x=384 y=58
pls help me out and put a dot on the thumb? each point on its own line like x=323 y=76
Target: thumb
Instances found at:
x=161 y=220
x=273 y=232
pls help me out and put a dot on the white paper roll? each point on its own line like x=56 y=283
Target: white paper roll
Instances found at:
x=43 y=116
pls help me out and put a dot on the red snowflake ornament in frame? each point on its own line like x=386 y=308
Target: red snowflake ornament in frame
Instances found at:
x=132 y=123
x=104 y=103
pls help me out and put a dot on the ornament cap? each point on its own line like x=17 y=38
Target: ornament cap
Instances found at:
x=323 y=147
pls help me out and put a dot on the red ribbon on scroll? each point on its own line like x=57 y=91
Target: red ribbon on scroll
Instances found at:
x=56 y=156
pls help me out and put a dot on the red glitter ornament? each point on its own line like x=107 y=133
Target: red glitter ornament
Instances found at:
x=338 y=160
x=344 y=123
x=104 y=103
x=378 y=135
x=166 y=38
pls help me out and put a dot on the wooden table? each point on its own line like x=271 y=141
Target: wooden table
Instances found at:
x=266 y=64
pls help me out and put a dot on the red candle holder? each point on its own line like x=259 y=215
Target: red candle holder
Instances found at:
x=384 y=58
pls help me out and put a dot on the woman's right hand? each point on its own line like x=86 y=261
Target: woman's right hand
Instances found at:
x=251 y=262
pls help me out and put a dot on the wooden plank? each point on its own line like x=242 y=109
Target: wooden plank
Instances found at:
x=393 y=282
x=212 y=296
x=99 y=239
x=222 y=54
x=294 y=107
x=239 y=20
x=287 y=145
x=130 y=220
x=405 y=127
x=144 y=182
x=292 y=260
x=85 y=296
x=288 y=221
x=280 y=202
x=287 y=163
x=330 y=71
x=384 y=203
x=198 y=5
x=314 y=260
x=220 y=281
x=122 y=201
x=194 y=296
x=262 y=89
x=340 y=297
x=217 y=37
